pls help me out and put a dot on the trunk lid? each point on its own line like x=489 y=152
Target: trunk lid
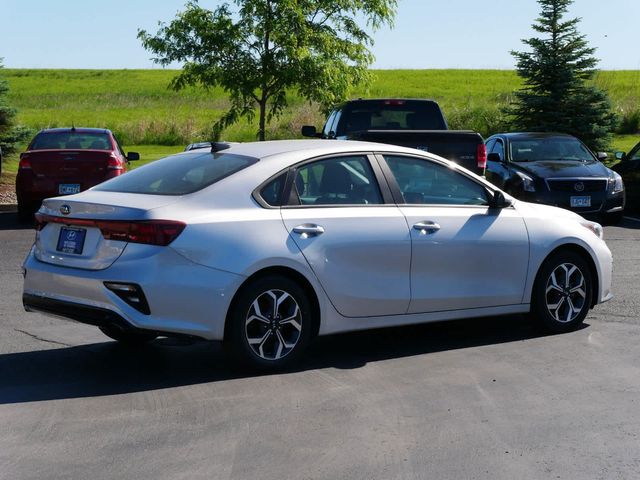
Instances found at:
x=71 y=229
x=70 y=164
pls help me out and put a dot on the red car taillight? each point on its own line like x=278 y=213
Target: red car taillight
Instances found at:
x=114 y=163
x=148 y=232
x=482 y=155
x=24 y=162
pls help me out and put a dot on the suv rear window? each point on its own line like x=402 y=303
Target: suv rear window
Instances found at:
x=178 y=174
x=71 y=141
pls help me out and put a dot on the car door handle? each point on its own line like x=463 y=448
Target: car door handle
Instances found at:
x=309 y=229
x=426 y=227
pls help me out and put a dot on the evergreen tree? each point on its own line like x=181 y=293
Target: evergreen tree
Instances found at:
x=558 y=93
x=10 y=134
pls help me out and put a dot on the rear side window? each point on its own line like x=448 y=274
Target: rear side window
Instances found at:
x=178 y=174
x=271 y=193
x=337 y=181
x=71 y=141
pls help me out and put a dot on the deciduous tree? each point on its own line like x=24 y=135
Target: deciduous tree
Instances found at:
x=558 y=92
x=264 y=48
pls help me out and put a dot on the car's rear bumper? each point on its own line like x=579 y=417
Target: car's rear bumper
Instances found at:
x=184 y=298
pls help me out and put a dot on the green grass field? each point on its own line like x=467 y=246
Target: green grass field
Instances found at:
x=150 y=118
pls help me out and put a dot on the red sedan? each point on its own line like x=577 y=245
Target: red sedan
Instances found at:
x=64 y=161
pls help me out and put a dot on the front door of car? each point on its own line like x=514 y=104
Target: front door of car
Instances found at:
x=464 y=253
x=358 y=247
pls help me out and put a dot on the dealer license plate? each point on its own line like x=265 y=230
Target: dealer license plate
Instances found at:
x=581 y=201
x=71 y=240
x=68 y=188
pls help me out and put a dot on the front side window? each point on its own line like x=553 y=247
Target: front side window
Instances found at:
x=499 y=149
x=337 y=181
x=328 y=126
x=426 y=182
x=178 y=174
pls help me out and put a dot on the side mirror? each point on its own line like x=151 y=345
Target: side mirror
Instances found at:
x=494 y=157
x=133 y=156
x=498 y=200
x=602 y=156
x=620 y=155
x=309 y=131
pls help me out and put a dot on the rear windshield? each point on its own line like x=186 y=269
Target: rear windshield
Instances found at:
x=178 y=174
x=71 y=140
x=391 y=115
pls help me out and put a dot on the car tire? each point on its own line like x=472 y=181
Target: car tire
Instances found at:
x=127 y=337
x=612 y=218
x=562 y=292
x=25 y=212
x=269 y=324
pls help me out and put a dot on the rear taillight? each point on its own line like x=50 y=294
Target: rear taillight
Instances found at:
x=152 y=232
x=24 y=164
x=482 y=155
x=148 y=232
x=114 y=163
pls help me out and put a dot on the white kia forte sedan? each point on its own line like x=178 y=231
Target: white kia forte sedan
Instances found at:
x=266 y=245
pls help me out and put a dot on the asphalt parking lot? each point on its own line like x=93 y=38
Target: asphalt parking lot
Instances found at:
x=489 y=398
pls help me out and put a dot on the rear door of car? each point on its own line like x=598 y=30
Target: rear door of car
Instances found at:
x=464 y=253
x=354 y=238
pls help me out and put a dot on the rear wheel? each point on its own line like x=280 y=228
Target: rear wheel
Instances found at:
x=269 y=323
x=562 y=293
x=127 y=337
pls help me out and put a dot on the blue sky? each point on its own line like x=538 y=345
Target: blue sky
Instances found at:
x=427 y=34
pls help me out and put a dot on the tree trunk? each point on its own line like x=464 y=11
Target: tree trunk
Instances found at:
x=263 y=116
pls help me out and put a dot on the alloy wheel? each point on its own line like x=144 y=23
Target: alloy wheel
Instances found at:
x=565 y=292
x=273 y=324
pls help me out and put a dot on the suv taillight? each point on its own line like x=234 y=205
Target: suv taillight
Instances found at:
x=148 y=232
x=482 y=155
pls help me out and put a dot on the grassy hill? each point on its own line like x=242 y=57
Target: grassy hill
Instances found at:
x=138 y=106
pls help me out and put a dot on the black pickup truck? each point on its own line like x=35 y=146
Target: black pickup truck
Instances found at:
x=407 y=122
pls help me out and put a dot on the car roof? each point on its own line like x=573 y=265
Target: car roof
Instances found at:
x=305 y=148
x=75 y=129
x=390 y=99
x=533 y=135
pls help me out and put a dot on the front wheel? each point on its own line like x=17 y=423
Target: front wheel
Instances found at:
x=269 y=323
x=562 y=292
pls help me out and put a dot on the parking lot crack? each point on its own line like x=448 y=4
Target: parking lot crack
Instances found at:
x=42 y=339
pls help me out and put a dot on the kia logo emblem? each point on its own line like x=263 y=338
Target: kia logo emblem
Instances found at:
x=579 y=187
x=65 y=209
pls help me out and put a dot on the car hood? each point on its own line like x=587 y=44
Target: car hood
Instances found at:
x=563 y=168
